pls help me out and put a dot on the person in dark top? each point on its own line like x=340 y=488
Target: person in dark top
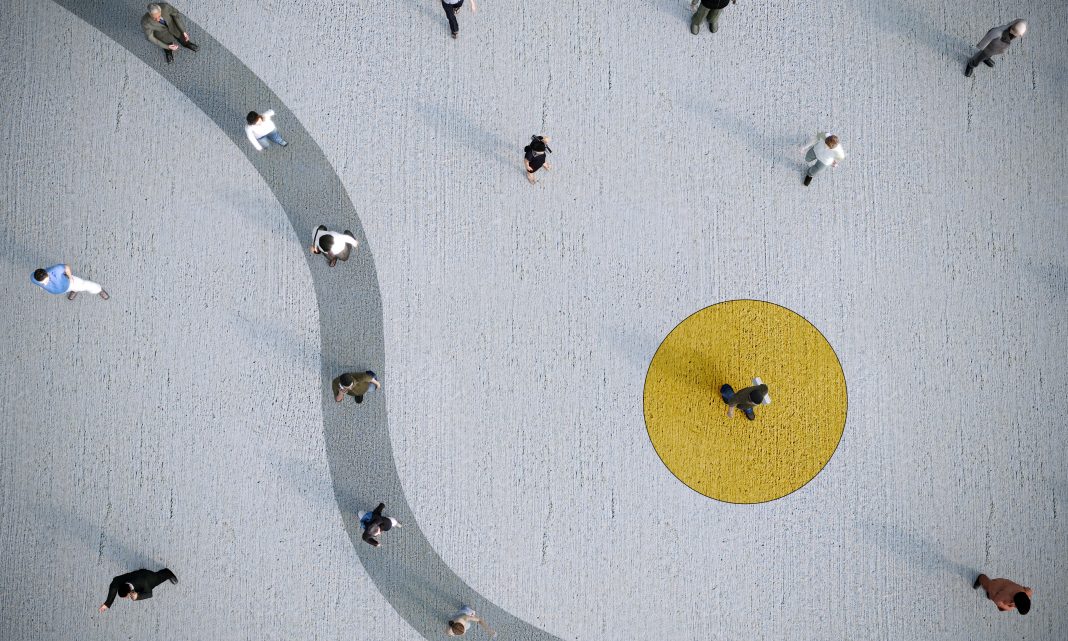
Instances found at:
x=709 y=11
x=534 y=156
x=374 y=524
x=136 y=585
x=744 y=399
x=355 y=384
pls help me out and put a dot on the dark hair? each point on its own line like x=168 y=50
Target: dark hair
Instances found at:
x=373 y=530
x=757 y=395
x=1022 y=601
x=124 y=590
x=370 y=373
x=252 y=117
x=537 y=146
x=345 y=380
x=39 y=275
x=457 y=627
x=326 y=241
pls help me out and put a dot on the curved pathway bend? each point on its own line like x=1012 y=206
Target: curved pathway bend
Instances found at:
x=407 y=570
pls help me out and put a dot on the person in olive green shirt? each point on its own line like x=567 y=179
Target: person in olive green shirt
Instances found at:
x=355 y=384
x=165 y=28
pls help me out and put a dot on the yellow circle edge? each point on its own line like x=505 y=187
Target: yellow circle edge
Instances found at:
x=737 y=460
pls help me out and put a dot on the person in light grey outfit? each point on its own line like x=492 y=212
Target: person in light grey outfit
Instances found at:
x=463 y=619
x=995 y=43
x=826 y=151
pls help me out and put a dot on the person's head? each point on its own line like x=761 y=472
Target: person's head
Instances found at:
x=373 y=530
x=831 y=141
x=155 y=10
x=40 y=275
x=1016 y=29
x=537 y=146
x=757 y=395
x=126 y=591
x=456 y=628
x=326 y=241
x=1022 y=601
x=252 y=118
x=345 y=380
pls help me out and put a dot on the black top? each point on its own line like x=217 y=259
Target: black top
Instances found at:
x=715 y=4
x=142 y=581
x=535 y=158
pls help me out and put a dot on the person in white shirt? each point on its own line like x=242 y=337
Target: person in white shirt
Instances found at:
x=261 y=129
x=463 y=619
x=825 y=152
x=451 y=7
x=333 y=245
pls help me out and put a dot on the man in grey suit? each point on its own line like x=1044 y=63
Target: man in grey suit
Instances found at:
x=165 y=28
x=996 y=41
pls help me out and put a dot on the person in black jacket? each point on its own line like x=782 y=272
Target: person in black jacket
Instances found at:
x=534 y=156
x=709 y=10
x=136 y=585
x=374 y=524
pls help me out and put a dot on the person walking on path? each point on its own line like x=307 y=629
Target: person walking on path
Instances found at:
x=374 y=524
x=165 y=28
x=463 y=619
x=744 y=399
x=58 y=279
x=354 y=384
x=136 y=585
x=1005 y=594
x=825 y=152
x=261 y=130
x=534 y=157
x=333 y=245
x=451 y=7
x=709 y=10
x=995 y=43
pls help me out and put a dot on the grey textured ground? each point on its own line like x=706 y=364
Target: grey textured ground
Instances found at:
x=181 y=422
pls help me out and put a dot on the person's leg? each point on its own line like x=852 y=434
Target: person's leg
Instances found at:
x=264 y=141
x=81 y=285
x=713 y=20
x=811 y=155
x=166 y=575
x=974 y=61
x=726 y=392
x=450 y=12
x=277 y=138
x=699 y=17
x=343 y=256
x=749 y=413
x=815 y=168
x=359 y=399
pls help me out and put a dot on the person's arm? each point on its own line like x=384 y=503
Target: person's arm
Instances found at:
x=252 y=138
x=486 y=627
x=341 y=391
x=150 y=34
x=377 y=512
x=374 y=381
x=268 y=114
x=474 y=7
x=113 y=591
x=179 y=21
x=990 y=36
x=693 y=5
x=66 y=270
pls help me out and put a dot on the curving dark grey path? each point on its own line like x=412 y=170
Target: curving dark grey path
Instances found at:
x=407 y=570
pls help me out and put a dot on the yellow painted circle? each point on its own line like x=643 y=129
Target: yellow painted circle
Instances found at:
x=738 y=460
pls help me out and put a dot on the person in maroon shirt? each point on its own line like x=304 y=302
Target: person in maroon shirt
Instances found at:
x=709 y=11
x=1005 y=594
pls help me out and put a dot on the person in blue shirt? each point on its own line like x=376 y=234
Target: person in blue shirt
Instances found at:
x=58 y=279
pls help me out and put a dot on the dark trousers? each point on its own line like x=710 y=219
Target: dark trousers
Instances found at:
x=450 y=12
x=979 y=58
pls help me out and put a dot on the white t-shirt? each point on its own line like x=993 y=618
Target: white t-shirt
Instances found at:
x=340 y=241
x=261 y=128
x=826 y=155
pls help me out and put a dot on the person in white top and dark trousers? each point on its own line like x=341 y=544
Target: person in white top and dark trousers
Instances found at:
x=994 y=43
x=451 y=7
x=463 y=619
x=333 y=245
x=261 y=130
x=825 y=152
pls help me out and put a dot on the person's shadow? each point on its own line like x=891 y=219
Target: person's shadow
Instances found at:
x=893 y=16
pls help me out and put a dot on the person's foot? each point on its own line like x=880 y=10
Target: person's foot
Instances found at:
x=169 y=55
x=695 y=29
x=192 y=46
x=349 y=233
x=530 y=177
x=808 y=180
x=455 y=35
x=713 y=27
x=359 y=399
x=103 y=294
x=988 y=62
x=71 y=295
x=968 y=71
x=284 y=144
x=173 y=579
x=333 y=261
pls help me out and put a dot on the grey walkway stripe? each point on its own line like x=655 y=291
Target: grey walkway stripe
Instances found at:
x=406 y=569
